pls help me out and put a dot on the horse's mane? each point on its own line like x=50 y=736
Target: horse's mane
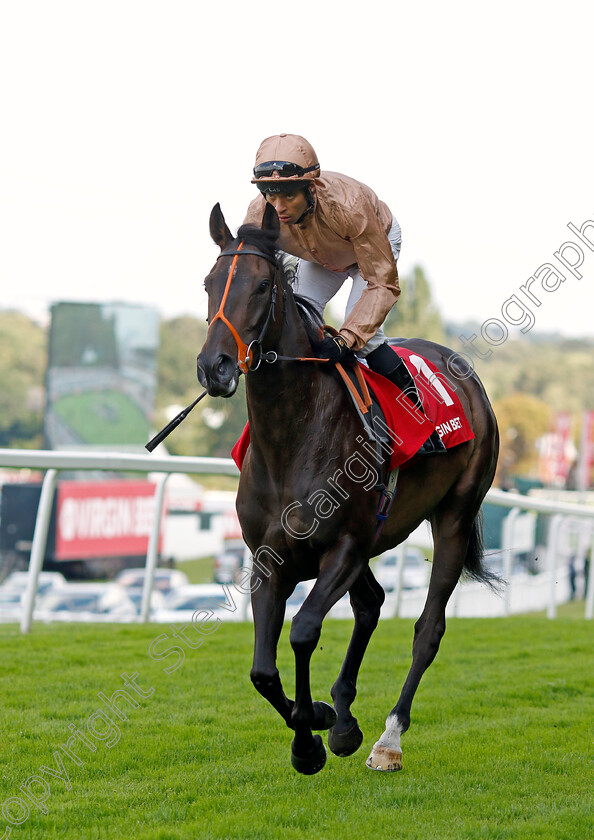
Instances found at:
x=312 y=321
x=262 y=239
x=266 y=241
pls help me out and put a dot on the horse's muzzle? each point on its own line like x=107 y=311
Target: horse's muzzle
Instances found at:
x=220 y=376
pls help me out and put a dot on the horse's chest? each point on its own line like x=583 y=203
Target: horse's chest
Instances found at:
x=308 y=508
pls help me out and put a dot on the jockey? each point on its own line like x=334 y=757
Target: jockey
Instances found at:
x=338 y=228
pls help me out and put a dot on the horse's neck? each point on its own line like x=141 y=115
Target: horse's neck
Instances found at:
x=284 y=409
x=282 y=397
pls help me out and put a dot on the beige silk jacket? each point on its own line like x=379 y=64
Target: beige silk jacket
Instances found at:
x=348 y=227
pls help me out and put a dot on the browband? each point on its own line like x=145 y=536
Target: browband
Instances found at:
x=248 y=251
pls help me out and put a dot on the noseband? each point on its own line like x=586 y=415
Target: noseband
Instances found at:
x=246 y=353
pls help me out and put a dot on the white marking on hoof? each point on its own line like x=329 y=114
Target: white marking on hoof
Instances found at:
x=383 y=758
x=386 y=753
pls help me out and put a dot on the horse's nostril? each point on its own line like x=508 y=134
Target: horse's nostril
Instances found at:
x=224 y=367
x=201 y=373
x=215 y=373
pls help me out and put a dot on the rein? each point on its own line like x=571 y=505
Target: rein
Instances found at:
x=245 y=352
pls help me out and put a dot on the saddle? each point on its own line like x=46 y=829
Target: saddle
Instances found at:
x=390 y=421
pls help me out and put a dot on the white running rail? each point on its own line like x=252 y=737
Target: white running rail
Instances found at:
x=54 y=462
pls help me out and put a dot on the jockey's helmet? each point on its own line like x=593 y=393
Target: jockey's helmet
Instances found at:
x=282 y=160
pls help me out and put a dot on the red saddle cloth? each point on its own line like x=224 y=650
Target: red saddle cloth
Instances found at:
x=408 y=428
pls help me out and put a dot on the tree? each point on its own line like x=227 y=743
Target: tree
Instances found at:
x=23 y=360
x=181 y=339
x=556 y=373
x=415 y=315
x=215 y=424
x=522 y=419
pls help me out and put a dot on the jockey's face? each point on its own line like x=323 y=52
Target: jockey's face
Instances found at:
x=290 y=206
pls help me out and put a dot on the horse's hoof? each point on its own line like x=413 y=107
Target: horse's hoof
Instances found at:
x=313 y=761
x=383 y=758
x=324 y=715
x=345 y=743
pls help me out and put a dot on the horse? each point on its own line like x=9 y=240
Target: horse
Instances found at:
x=303 y=431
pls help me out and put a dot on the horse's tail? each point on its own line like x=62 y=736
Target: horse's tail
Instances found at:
x=473 y=562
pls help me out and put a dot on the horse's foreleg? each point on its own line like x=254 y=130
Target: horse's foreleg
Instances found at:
x=448 y=561
x=367 y=597
x=268 y=608
x=339 y=569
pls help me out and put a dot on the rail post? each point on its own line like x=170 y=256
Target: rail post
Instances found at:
x=44 y=511
x=153 y=548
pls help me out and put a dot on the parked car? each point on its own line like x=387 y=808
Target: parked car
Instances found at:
x=229 y=561
x=45 y=581
x=11 y=606
x=342 y=608
x=14 y=587
x=165 y=579
x=297 y=597
x=415 y=574
x=181 y=604
x=294 y=601
x=134 y=593
x=86 y=602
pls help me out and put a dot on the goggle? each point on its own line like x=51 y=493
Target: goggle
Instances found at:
x=280 y=188
x=283 y=168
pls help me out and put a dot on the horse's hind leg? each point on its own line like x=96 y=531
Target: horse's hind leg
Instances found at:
x=448 y=561
x=367 y=597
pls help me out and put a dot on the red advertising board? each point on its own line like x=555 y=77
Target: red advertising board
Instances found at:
x=103 y=518
x=557 y=451
x=586 y=461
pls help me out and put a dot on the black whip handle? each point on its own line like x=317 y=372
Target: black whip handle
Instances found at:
x=160 y=436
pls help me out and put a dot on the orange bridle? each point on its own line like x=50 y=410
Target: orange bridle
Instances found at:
x=242 y=348
x=244 y=351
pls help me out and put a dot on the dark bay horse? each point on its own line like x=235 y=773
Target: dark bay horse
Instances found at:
x=306 y=507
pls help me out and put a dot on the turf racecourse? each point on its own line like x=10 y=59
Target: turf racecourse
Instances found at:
x=500 y=746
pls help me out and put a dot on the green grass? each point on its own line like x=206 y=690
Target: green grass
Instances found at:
x=500 y=747
x=200 y=570
x=104 y=417
x=571 y=609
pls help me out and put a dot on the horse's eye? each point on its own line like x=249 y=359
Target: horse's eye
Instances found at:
x=264 y=286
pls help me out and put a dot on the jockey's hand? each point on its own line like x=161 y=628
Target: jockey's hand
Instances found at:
x=334 y=348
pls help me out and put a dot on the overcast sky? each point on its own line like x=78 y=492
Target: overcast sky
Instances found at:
x=124 y=122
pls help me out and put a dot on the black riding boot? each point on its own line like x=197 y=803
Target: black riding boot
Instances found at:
x=385 y=361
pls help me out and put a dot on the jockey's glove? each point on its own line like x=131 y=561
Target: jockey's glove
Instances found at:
x=334 y=348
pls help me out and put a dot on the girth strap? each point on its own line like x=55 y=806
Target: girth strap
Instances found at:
x=385 y=502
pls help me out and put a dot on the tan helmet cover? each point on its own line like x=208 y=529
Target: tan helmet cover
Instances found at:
x=291 y=148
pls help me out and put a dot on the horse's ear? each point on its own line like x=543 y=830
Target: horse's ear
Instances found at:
x=270 y=219
x=219 y=231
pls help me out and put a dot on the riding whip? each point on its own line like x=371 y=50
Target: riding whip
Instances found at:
x=173 y=425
